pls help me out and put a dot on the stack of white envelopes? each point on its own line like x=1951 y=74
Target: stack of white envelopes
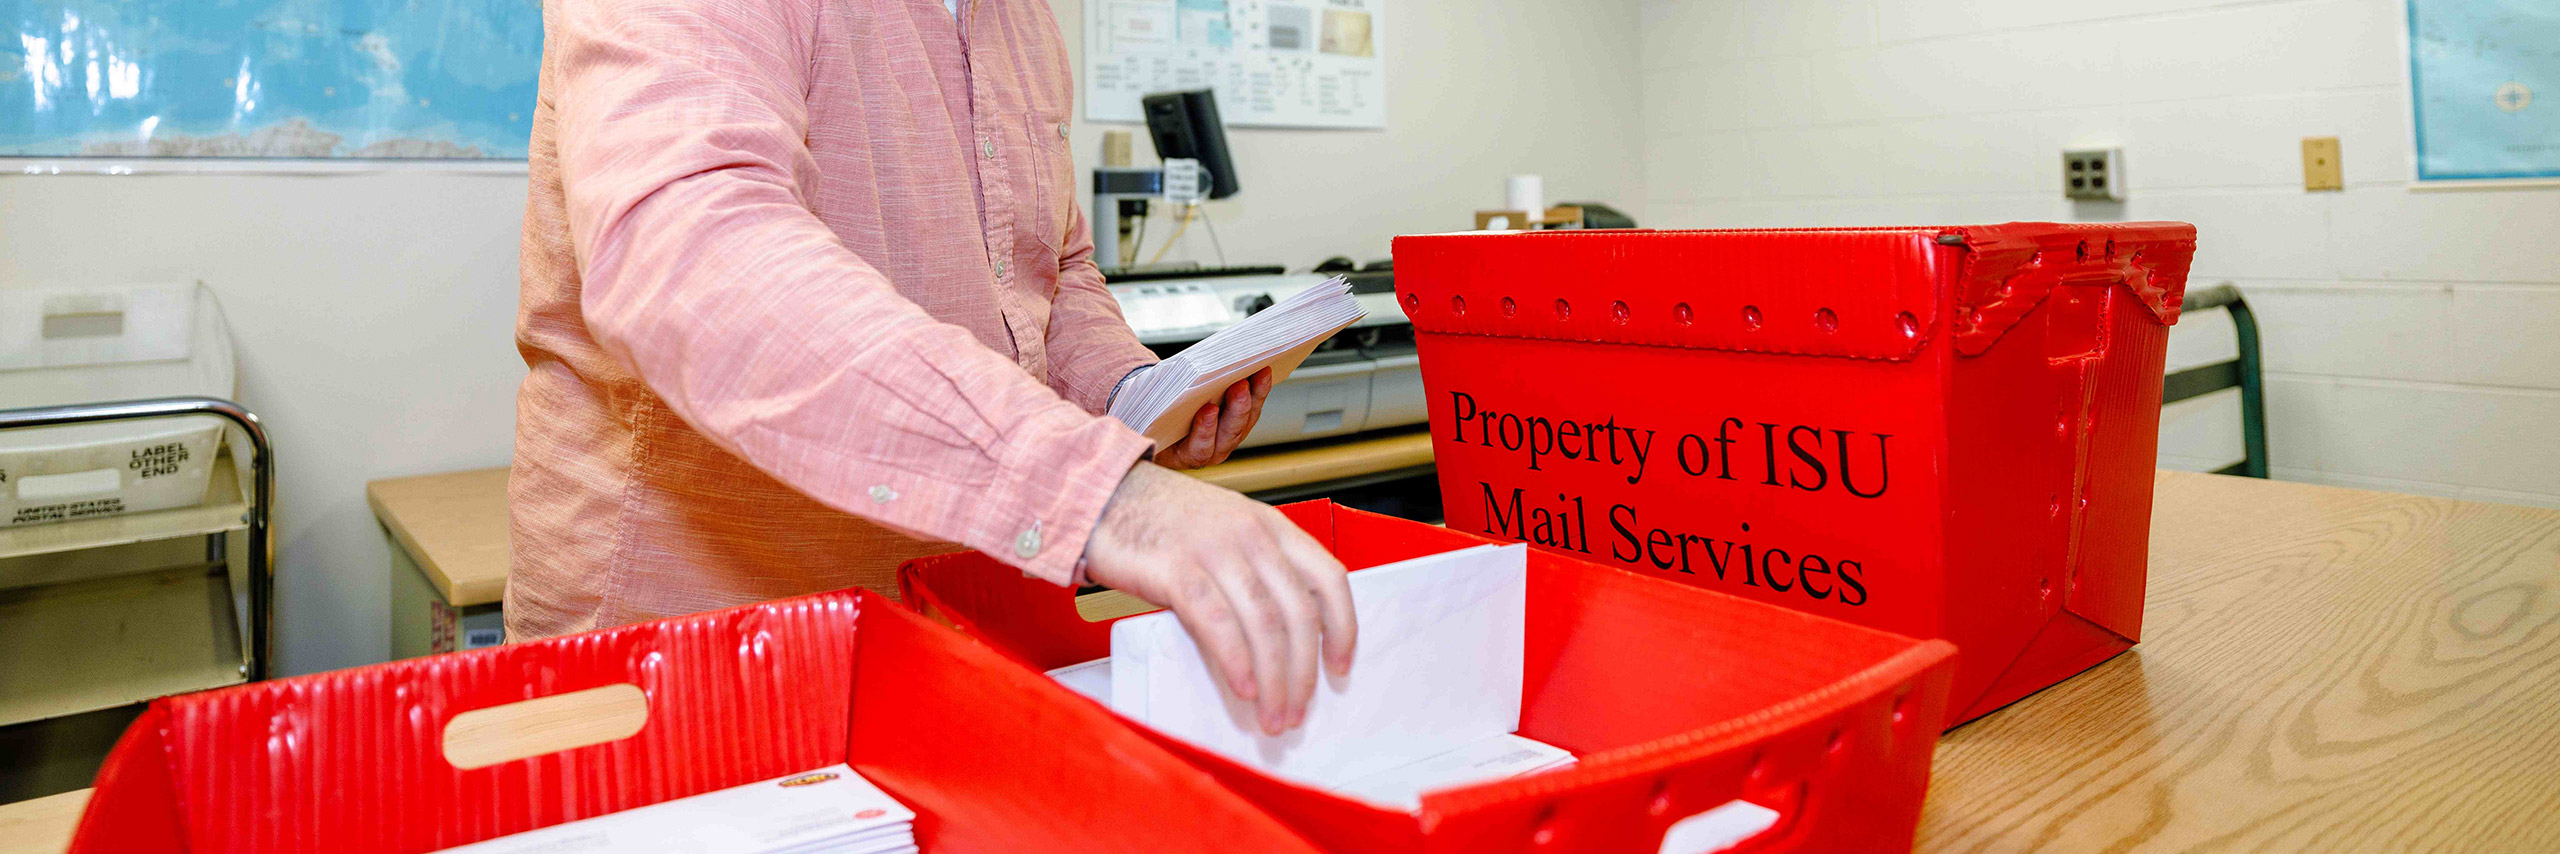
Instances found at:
x=1432 y=702
x=1161 y=400
x=831 y=810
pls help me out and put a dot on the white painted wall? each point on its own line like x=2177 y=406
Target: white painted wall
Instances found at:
x=375 y=312
x=1477 y=90
x=374 y=317
x=2409 y=335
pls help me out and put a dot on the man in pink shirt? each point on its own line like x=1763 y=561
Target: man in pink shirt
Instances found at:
x=807 y=293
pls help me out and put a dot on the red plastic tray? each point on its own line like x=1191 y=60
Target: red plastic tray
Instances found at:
x=1944 y=432
x=991 y=757
x=1676 y=699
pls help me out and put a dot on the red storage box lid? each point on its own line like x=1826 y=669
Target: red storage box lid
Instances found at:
x=1677 y=700
x=990 y=756
x=1938 y=431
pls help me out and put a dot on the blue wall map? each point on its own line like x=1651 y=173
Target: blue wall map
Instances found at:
x=370 y=79
x=2484 y=76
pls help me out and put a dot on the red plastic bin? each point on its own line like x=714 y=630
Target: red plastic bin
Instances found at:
x=1676 y=699
x=991 y=757
x=1945 y=432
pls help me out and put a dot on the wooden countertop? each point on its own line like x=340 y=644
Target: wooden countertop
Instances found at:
x=1257 y=470
x=2321 y=669
x=454 y=525
x=2324 y=669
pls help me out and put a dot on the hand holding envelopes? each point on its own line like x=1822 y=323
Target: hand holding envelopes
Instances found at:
x=1161 y=400
x=1438 y=668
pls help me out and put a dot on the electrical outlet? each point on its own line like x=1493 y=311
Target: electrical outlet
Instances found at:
x=2320 y=169
x=2093 y=174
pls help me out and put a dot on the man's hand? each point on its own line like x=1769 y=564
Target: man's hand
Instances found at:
x=1219 y=426
x=1257 y=593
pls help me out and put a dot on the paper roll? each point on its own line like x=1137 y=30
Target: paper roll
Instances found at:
x=1528 y=193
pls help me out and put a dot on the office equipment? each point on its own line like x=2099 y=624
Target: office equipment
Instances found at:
x=2243 y=373
x=1364 y=378
x=1186 y=124
x=1677 y=699
x=1188 y=271
x=1187 y=133
x=1161 y=401
x=1941 y=431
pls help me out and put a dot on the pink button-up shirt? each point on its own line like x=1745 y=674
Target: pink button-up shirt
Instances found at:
x=807 y=293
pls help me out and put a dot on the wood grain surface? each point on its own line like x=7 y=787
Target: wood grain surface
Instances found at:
x=2321 y=669
x=454 y=525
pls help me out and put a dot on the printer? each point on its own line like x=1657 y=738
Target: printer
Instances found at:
x=1364 y=378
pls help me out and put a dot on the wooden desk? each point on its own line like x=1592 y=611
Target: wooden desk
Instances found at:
x=2321 y=669
x=2324 y=669
x=449 y=558
x=454 y=525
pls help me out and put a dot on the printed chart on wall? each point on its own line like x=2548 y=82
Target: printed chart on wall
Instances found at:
x=185 y=83
x=2484 y=79
x=1274 y=63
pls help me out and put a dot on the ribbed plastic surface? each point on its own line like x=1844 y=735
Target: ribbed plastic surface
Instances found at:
x=1676 y=699
x=1943 y=431
x=991 y=757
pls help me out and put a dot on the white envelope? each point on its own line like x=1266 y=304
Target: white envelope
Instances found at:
x=1438 y=668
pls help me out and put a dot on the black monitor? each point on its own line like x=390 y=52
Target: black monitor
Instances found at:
x=1186 y=125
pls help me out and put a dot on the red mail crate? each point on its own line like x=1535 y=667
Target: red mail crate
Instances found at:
x=991 y=757
x=1942 y=432
x=1677 y=700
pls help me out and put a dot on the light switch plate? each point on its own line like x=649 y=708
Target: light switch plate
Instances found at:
x=2320 y=169
x=2093 y=174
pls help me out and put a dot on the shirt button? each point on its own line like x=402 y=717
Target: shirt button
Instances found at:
x=1062 y=131
x=883 y=494
x=988 y=146
x=1028 y=543
x=1000 y=267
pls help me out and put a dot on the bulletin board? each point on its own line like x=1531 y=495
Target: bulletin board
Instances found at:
x=1273 y=63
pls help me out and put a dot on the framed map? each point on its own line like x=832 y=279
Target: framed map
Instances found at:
x=2484 y=89
x=358 y=81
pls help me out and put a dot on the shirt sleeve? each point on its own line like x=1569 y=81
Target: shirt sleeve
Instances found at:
x=1090 y=345
x=681 y=128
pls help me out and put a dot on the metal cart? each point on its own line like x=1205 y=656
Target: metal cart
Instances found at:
x=99 y=616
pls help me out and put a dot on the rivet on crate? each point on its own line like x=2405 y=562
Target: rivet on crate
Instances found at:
x=1751 y=318
x=1661 y=801
x=2053 y=505
x=1825 y=320
x=1681 y=313
x=1909 y=325
x=1509 y=307
x=1543 y=829
x=1759 y=766
x=1618 y=312
x=2044 y=587
x=1412 y=301
x=1836 y=743
x=1902 y=707
x=1564 y=310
